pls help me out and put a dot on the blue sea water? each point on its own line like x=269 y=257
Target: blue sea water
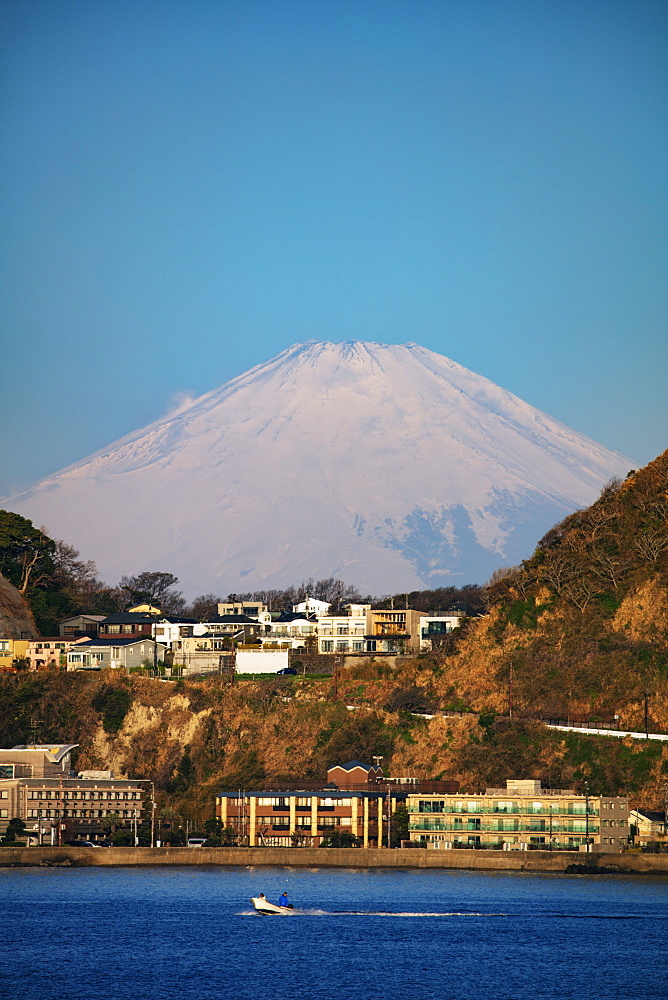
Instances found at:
x=181 y=933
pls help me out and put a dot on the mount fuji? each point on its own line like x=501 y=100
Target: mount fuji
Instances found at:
x=390 y=467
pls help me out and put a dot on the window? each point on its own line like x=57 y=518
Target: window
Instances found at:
x=113 y=629
x=5 y=795
x=342 y=647
x=115 y=652
x=431 y=805
x=327 y=646
x=3 y=813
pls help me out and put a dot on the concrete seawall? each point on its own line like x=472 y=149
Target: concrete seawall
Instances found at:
x=305 y=857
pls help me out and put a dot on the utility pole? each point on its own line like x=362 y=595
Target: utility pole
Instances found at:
x=60 y=811
x=389 y=817
x=377 y=759
x=510 y=692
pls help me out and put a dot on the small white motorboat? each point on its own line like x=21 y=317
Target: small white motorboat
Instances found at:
x=262 y=905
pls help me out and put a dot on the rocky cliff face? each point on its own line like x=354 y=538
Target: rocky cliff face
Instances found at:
x=16 y=620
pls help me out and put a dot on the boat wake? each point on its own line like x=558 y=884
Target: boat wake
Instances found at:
x=380 y=913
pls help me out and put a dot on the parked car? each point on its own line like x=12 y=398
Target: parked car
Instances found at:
x=287 y=670
x=196 y=841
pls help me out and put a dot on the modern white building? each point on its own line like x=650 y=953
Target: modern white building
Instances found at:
x=343 y=633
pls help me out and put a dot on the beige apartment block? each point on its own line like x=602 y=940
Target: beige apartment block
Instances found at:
x=521 y=816
x=37 y=786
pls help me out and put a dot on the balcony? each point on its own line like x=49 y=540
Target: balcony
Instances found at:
x=485 y=810
x=446 y=826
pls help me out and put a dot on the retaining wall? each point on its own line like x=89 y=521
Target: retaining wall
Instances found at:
x=528 y=861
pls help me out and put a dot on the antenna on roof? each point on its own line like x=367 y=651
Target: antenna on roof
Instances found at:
x=35 y=730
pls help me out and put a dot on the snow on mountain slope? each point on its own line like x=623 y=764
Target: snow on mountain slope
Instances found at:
x=389 y=466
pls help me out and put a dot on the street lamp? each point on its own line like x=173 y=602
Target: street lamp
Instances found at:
x=377 y=759
x=147 y=781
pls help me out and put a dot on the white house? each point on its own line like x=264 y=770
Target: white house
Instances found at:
x=311 y=606
x=290 y=631
x=344 y=633
x=437 y=626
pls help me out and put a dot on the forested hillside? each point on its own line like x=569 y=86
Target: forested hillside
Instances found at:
x=579 y=631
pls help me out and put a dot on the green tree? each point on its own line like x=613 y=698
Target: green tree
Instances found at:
x=15 y=828
x=26 y=553
x=113 y=703
x=340 y=838
x=204 y=608
x=359 y=737
x=123 y=838
x=399 y=827
x=154 y=588
x=184 y=777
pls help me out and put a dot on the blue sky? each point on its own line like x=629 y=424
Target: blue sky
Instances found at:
x=190 y=187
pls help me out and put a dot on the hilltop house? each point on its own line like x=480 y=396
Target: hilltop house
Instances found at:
x=80 y=625
x=115 y=652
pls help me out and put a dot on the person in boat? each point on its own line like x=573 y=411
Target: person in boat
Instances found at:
x=283 y=901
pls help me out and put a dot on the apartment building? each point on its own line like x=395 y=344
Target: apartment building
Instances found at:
x=37 y=786
x=355 y=799
x=520 y=816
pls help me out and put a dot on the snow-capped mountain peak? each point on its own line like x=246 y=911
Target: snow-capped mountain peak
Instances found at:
x=389 y=466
